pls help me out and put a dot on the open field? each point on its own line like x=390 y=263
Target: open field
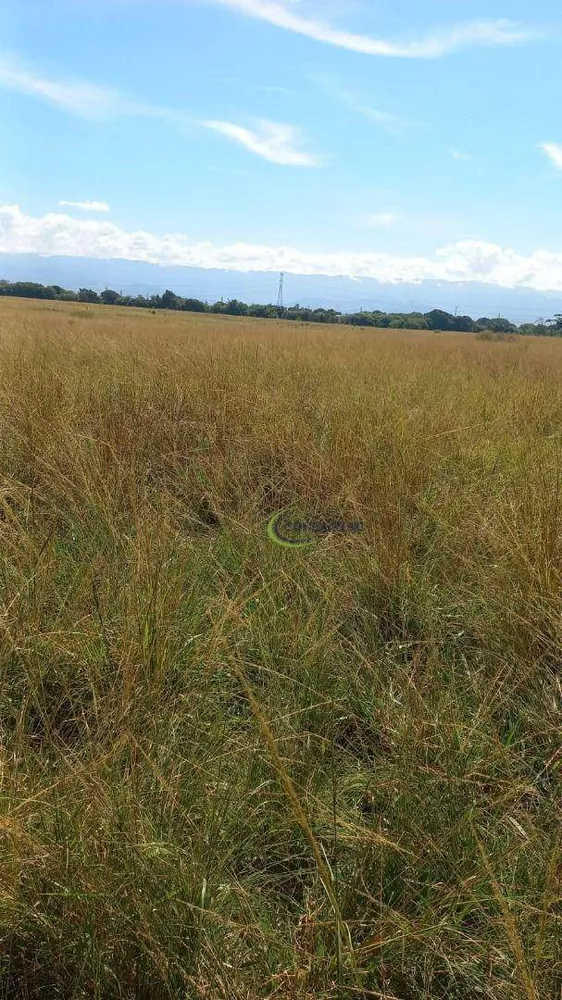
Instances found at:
x=233 y=770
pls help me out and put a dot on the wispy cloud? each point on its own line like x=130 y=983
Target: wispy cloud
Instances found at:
x=387 y=121
x=457 y=154
x=273 y=141
x=86 y=206
x=439 y=42
x=554 y=151
x=469 y=260
x=351 y=100
x=84 y=99
x=91 y=101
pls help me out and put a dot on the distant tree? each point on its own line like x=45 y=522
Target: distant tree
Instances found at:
x=501 y=325
x=497 y=325
x=296 y=312
x=413 y=321
x=555 y=326
x=261 y=311
x=541 y=325
x=464 y=324
x=437 y=319
x=56 y=292
x=268 y=311
x=382 y=319
x=194 y=305
x=325 y=316
x=87 y=295
x=360 y=319
x=171 y=301
x=26 y=289
x=235 y=308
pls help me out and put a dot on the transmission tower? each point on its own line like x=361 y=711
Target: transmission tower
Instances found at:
x=280 y=290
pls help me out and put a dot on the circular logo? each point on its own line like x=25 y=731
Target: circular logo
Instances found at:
x=294 y=534
x=285 y=531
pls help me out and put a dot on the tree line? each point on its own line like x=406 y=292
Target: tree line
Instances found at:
x=436 y=319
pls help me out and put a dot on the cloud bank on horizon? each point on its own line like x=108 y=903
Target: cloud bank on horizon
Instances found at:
x=57 y=234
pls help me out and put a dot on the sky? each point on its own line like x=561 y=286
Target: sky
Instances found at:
x=394 y=140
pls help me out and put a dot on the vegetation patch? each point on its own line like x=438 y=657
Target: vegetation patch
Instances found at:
x=236 y=770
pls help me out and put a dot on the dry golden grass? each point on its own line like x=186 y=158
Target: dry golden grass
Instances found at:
x=231 y=770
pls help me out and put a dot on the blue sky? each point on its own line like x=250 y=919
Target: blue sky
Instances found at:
x=396 y=139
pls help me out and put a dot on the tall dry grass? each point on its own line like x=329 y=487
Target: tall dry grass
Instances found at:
x=235 y=771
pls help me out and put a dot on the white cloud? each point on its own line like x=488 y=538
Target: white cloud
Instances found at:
x=86 y=206
x=391 y=123
x=273 y=141
x=87 y=100
x=438 y=43
x=554 y=151
x=457 y=154
x=341 y=94
x=469 y=260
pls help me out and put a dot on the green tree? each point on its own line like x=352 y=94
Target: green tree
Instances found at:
x=26 y=290
x=532 y=329
x=555 y=326
x=464 y=324
x=483 y=323
x=171 y=301
x=360 y=319
x=325 y=316
x=501 y=325
x=109 y=297
x=87 y=295
x=235 y=308
x=438 y=319
x=194 y=305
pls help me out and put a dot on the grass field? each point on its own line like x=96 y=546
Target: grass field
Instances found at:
x=233 y=770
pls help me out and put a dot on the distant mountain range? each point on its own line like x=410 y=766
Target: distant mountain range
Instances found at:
x=345 y=294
